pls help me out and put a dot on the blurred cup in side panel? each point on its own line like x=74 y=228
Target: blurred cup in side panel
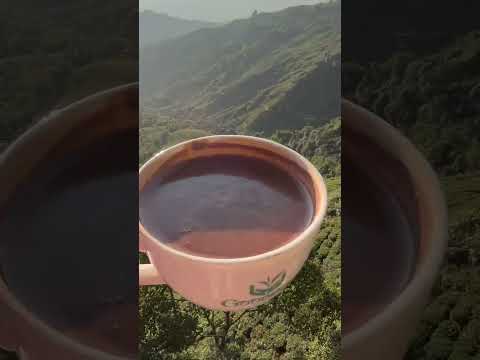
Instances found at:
x=228 y=221
x=394 y=234
x=69 y=235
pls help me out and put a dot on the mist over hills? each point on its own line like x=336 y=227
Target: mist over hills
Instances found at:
x=155 y=27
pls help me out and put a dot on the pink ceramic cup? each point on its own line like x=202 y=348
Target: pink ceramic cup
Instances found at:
x=232 y=284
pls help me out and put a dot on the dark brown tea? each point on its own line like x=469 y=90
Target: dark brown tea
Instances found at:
x=225 y=206
x=69 y=243
x=378 y=246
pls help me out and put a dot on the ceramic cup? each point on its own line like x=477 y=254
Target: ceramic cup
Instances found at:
x=20 y=329
x=404 y=171
x=231 y=284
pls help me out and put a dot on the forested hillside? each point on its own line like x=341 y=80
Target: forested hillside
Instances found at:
x=321 y=145
x=272 y=75
x=434 y=100
x=268 y=72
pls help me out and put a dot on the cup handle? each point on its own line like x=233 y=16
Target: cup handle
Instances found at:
x=148 y=273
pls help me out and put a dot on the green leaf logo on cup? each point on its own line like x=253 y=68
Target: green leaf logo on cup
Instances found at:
x=265 y=291
x=269 y=286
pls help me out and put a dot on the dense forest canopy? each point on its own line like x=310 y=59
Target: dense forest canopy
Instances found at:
x=434 y=99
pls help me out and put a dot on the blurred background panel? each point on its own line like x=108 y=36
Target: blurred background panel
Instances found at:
x=416 y=64
x=54 y=53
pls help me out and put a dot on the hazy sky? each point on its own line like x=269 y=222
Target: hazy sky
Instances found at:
x=218 y=10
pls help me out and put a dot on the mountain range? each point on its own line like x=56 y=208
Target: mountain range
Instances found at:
x=155 y=27
x=269 y=72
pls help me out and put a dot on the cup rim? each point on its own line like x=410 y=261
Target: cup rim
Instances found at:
x=382 y=133
x=53 y=120
x=308 y=233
